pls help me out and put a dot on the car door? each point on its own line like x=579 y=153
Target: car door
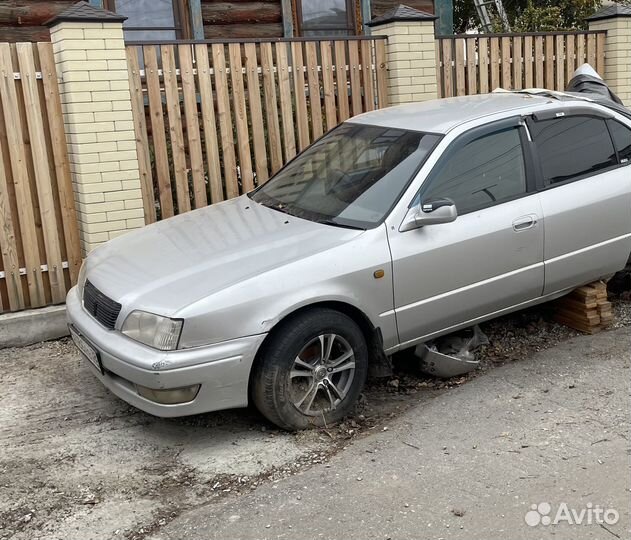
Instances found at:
x=491 y=256
x=585 y=194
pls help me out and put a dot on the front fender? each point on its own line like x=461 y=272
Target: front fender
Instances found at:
x=342 y=274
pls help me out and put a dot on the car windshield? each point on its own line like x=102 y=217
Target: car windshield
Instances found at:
x=351 y=177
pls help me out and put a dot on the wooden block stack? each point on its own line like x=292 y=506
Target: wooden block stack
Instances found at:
x=585 y=309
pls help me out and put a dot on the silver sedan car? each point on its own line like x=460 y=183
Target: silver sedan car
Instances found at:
x=396 y=227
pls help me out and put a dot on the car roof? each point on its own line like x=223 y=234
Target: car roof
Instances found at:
x=442 y=115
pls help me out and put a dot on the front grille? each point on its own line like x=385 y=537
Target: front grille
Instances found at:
x=102 y=308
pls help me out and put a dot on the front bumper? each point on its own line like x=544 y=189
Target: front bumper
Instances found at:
x=222 y=369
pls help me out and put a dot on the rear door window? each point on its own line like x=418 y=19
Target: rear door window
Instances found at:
x=622 y=140
x=572 y=147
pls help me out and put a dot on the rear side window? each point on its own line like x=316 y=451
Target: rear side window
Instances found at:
x=622 y=140
x=572 y=147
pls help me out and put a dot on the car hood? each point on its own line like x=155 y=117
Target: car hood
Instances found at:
x=167 y=266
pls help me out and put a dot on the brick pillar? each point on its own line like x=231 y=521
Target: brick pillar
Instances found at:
x=616 y=20
x=410 y=54
x=96 y=101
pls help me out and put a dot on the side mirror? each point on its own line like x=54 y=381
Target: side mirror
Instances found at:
x=432 y=212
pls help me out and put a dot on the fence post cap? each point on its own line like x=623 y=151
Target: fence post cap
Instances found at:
x=611 y=12
x=403 y=14
x=84 y=12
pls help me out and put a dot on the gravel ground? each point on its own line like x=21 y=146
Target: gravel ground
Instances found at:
x=77 y=463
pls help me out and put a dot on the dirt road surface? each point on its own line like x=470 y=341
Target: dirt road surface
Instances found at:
x=78 y=463
x=552 y=430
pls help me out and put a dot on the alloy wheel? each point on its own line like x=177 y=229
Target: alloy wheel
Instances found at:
x=322 y=374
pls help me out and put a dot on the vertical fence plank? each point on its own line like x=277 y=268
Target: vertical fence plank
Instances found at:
x=60 y=157
x=41 y=174
x=256 y=113
x=459 y=65
x=8 y=244
x=591 y=50
x=15 y=139
x=286 y=107
x=495 y=63
x=580 y=49
x=174 y=116
x=328 y=84
x=367 y=77
x=313 y=79
x=271 y=107
x=448 y=82
x=341 y=80
x=560 y=62
x=440 y=68
x=506 y=63
x=539 y=62
x=140 y=133
x=189 y=93
x=353 y=68
x=158 y=131
x=550 y=62
x=600 y=53
x=472 y=68
x=518 y=63
x=240 y=117
x=224 y=117
x=483 y=61
x=43 y=179
x=529 y=78
x=381 y=73
x=570 y=60
x=302 y=119
x=208 y=122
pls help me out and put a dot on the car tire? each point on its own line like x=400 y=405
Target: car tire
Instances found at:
x=311 y=370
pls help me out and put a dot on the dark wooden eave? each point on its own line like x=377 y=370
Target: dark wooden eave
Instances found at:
x=403 y=14
x=84 y=12
x=611 y=12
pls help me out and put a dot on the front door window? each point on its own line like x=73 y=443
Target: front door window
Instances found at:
x=484 y=172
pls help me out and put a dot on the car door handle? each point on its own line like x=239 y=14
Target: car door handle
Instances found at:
x=523 y=223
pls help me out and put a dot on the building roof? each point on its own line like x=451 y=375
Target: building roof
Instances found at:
x=611 y=11
x=84 y=12
x=402 y=13
x=442 y=115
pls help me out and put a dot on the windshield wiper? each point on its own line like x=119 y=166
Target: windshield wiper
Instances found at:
x=282 y=207
x=279 y=206
x=335 y=224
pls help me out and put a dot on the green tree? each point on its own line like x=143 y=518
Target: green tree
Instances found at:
x=532 y=15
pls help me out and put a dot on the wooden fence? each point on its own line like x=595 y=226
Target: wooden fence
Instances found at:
x=477 y=64
x=215 y=119
x=39 y=239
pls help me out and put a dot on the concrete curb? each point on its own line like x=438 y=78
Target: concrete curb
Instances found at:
x=32 y=326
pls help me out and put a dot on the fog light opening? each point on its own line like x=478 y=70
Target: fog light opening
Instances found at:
x=173 y=396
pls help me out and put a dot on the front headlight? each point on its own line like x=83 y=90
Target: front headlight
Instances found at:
x=158 y=332
x=81 y=280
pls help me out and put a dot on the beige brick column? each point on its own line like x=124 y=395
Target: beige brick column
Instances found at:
x=616 y=20
x=410 y=54
x=94 y=85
